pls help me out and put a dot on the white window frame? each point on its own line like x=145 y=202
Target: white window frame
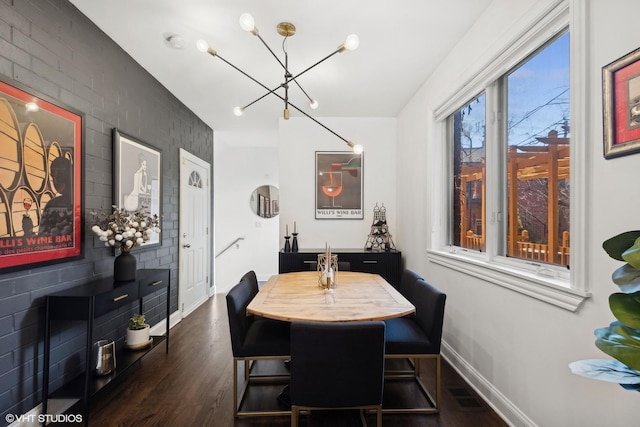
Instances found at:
x=544 y=282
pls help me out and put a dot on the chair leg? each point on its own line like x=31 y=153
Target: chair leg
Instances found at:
x=235 y=386
x=294 y=416
x=414 y=374
x=438 y=379
x=379 y=416
x=249 y=378
x=237 y=402
x=435 y=402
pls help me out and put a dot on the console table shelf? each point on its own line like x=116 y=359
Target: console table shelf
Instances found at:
x=125 y=360
x=86 y=303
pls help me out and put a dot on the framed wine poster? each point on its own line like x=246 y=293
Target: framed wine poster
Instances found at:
x=40 y=179
x=339 y=185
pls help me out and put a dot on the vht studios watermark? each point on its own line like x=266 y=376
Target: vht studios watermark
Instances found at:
x=43 y=418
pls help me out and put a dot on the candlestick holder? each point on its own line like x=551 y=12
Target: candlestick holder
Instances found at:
x=287 y=245
x=294 y=242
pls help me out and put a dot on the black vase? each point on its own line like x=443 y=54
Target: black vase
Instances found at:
x=124 y=267
x=294 y=242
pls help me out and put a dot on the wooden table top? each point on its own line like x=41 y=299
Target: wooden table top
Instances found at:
x=357 y=297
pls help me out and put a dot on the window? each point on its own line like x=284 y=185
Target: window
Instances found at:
x=518 y=132
x=520 y=91
x=469 y=155
x=538 y=156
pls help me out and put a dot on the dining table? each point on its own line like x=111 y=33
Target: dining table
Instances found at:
x=355 y=297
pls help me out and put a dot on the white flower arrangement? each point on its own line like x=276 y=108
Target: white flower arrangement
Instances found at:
x=125 y=230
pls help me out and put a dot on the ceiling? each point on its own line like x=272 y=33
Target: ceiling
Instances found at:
x=401 y=42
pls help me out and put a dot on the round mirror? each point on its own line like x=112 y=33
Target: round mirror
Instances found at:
x=265 y=201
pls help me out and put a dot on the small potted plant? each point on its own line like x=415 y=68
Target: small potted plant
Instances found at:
x=138 y=332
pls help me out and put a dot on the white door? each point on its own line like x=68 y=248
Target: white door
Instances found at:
x=195 y=217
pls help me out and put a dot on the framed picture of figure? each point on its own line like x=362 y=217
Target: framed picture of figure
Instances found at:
x=137 y=172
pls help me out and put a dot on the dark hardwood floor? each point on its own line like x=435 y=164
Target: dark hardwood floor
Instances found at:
x=192 y=386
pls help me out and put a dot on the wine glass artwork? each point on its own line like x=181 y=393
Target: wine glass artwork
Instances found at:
x=27 y=222
x=331 y=185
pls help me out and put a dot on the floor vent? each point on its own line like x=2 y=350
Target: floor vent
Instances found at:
x=466 y=400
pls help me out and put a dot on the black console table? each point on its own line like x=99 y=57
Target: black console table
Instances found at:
x=86 y=303
x=387 y=264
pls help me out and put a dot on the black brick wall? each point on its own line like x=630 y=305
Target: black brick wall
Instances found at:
x=49 y=47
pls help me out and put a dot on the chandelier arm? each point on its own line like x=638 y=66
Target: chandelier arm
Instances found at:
x=212 y=52
x=293 y=78
x=287 y=76
x=258 y=99
x=272 y=52
x=269 y=91
x=286 y=68
x=349 y=143
x=245 y=74
x=303 y=91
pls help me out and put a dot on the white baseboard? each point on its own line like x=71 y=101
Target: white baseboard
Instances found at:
x=160 y=328
x=509 y=412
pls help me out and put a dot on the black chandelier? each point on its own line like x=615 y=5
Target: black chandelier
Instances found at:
x=285 y=29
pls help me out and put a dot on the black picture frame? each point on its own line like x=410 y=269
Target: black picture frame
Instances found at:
x=137 y=179
x=339 y=185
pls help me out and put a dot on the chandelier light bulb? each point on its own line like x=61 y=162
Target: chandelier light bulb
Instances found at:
x=247 y=22
x=352 y=42
x=238 y=111
x=313 y=104
x=202 y=45
x=358 y=149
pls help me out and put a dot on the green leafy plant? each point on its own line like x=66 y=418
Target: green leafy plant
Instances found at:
x=621 y=339
x=137 y=322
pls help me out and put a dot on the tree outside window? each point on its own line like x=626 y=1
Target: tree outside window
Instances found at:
x=534 y=161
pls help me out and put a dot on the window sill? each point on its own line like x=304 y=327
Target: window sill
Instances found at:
x=550 y=290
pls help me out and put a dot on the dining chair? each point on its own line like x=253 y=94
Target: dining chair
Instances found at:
x=251 y=277
x=253 y=339
x=337 y=365
x=417 y=337
x=407 y=280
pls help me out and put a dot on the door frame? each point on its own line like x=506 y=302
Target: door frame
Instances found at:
x=185 y=155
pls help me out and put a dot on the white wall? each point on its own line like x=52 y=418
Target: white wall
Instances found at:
x=300 y=138
x=515 y=349
x=242 y=162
